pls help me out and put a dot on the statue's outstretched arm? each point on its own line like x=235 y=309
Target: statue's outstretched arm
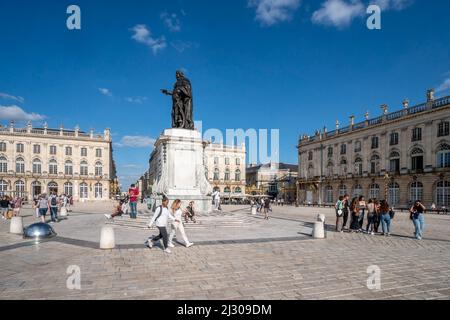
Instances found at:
x=167 y=92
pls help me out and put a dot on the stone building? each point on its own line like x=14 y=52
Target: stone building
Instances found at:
x=40 y=160
x=401 y=156
x=225 y=168
x=274 y=179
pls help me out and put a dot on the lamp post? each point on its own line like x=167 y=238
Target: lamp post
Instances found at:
x=386 y=185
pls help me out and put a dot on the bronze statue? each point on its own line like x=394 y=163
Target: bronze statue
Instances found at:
x=182 y=105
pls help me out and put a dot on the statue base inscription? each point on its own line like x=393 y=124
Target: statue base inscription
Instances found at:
x=178 y=171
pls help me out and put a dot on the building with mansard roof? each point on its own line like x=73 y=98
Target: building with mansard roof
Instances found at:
x=401 y=156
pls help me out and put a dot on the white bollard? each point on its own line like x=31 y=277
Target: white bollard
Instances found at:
x=107 y=239
x=321 y=218
x=63 y=212
x=318 y=230
x=16 y=226
x=254 y=210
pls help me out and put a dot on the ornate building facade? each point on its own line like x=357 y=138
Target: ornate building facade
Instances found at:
x=402 y=156
x=273 y=179
x=40 y=160
x=225 y=168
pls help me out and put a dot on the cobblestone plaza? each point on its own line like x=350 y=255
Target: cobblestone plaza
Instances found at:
x=236 y=256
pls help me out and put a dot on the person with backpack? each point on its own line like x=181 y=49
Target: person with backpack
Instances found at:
x=160 y=219
x=339 y=206
x=53 y=205
x=371 y=216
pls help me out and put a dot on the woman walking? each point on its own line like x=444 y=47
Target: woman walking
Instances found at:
x=17 y=204
x=177 y=225
x=377 y=216
x=371 y=215
x=385 y=218
x=418 y=219
x=4 y=207
x=354 y=209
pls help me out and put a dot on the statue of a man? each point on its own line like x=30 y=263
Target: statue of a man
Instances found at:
x=182 y=105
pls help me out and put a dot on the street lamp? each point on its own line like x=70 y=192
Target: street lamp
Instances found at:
x=386 y=185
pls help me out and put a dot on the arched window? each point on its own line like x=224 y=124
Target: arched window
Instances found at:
x=37 y=166
x=330 y=170
x=237 y=190
x=393 y=193
x=98 y=191
x=53 y=167
x=3 y=165
x=216 y=174
x=394 y=162
x=98 y=169
x=358 y=166
x=20 y=165
x=237 y=175
x=3 y=187
x=227 y=190
x=417 y=159
x=216 y=189
x=342 y=190
x=36 y=188
x=416 y=191
x=357 y=191
x=227 y=174
x=84 y=168
x=374 y=164
x=329 y=194
x=2 y=147
x=443 y=194
x=443 y=156
x=52 y=187
x=374 y=191
x=343 y=167
x=68 y=168
x=83 y=190
x=68 y=188
x=20 y=188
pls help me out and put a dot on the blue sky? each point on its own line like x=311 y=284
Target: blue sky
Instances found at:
x=293 y=65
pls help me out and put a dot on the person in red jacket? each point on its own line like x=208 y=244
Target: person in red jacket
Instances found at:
x=133 y=193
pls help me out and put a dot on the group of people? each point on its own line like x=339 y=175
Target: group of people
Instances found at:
x=377 y=212
x=51 y=203
x=173 y=215
x=8 y=204
x=263 y=205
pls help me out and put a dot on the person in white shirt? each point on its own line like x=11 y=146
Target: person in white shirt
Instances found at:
x=216 y=197
x=177 y=224
x=160 y=219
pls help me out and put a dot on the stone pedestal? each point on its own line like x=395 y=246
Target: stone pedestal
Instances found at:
x=177 y=167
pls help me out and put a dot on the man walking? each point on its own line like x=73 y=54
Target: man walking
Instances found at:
x=133 y=193
x=53 y=204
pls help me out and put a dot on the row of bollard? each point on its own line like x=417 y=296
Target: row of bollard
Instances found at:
x=107 y=237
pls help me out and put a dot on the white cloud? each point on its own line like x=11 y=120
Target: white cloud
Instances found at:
x=338 y=13
x=444 y=86
x=16 y=113
x=11 y=97
x=171 y=21
x=138 y=100
x=136 y=142
x=270 y=12
x=105 y=92
x=143 y=35
x=131 y=166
